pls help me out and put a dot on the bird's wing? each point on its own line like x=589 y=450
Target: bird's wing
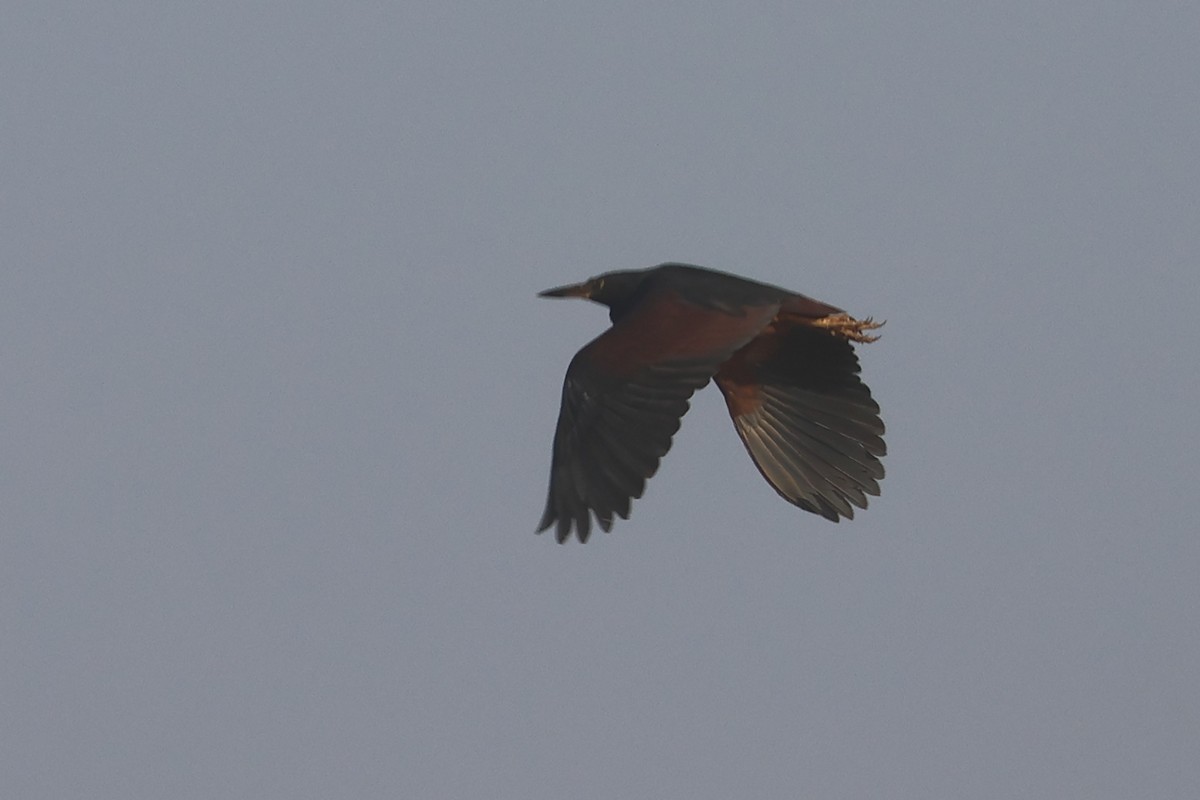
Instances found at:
x=623 y=398
x=806 y=418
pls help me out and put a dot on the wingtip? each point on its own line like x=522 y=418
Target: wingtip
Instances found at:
x=564 y=527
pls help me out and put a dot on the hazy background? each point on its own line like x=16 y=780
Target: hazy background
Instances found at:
x=278 y=400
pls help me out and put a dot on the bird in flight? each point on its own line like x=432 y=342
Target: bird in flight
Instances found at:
x=783 y=361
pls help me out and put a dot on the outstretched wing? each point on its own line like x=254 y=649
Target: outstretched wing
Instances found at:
x=806 y=418
x=623 y=398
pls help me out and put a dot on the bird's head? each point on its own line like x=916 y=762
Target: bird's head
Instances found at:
x=617 y=290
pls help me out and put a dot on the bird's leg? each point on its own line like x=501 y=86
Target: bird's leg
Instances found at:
x=848 y=327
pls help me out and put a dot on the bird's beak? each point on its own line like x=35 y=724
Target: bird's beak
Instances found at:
x=574 y=290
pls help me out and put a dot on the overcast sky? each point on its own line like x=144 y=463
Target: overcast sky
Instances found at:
x=279 y=399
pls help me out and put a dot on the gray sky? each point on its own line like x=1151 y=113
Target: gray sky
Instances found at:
x=279 y=400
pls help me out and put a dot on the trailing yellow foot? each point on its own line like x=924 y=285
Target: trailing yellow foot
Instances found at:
x=848 y=327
